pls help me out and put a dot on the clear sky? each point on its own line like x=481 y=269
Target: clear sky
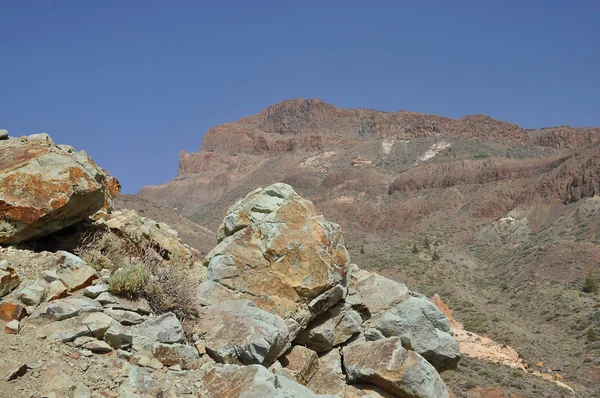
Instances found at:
x=135 y=82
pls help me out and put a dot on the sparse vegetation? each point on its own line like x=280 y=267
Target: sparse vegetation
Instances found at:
x=426 y=243
x=435 y=256
x=592 y=335
x=591 y=283
x=139 y=270
x=129 y=281
x=415 y=250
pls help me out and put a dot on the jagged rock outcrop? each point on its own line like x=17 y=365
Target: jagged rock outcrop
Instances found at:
x=46 y=187
x=385 y=363
x=393 y=310
x=276 y=291
x=277 y=250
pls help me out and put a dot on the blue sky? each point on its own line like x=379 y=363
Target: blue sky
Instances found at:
x=135 y=82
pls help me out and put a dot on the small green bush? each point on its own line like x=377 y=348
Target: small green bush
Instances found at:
x=591 y=283
x=426 y=243
x=129 y=281
x=435 y=256
x=415 y=250
x=592 y=335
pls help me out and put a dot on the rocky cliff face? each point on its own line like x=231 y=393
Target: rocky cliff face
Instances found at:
x=351 y=162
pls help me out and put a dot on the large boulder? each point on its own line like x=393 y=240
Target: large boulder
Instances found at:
x=45 y=187
x=239 y=332
x=386 y=364
x=277 y=250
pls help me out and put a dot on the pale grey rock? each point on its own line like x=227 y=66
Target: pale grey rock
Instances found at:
x=165 y=328
x=40 y=137
x=97 y=346
x=95 y=290
x=70 y=307
x=240 y=332
x=422 y=327
x=12 y=327
x=140 y=306
x=118 y=337
x=386 y=364
x=73 y=272
x=33 y=294
x=126 y=318
x=3 y=134
x=371 y=293
x=334 y=327
x=329 y=378
x=87 y=324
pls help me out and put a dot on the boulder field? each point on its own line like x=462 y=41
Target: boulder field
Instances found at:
x=279 y=309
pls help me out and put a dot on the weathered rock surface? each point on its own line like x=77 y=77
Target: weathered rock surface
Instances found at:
x=329 y=378
x=300 y=363
x=159 y=235
x=277 y=250
x=393 y=310
x=45 y=187
x=70 y=307
x=386 y=364
x=9 y=280
x=95 y=290
x=118 y=337
x=334 y=327
x=10 y=311
x=234 y=381
x=185 y=356
x=241 y=333
x=63 y=272
x=126 y=318
x=165 y=328
x=3 y=134
x=371 y=293
x=89 y=324
x=422 y=327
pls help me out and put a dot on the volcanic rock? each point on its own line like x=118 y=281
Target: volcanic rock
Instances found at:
x=301 y=363
x=277 y=250
x=386 y=364
x=234 y=381
x=9 y=279
x=44 y=188
x=239 y=332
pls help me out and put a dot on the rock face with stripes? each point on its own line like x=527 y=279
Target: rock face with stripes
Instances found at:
x=46 y=187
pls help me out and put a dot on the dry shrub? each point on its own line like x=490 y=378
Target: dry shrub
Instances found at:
x=139 y=269
x=171 y=288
